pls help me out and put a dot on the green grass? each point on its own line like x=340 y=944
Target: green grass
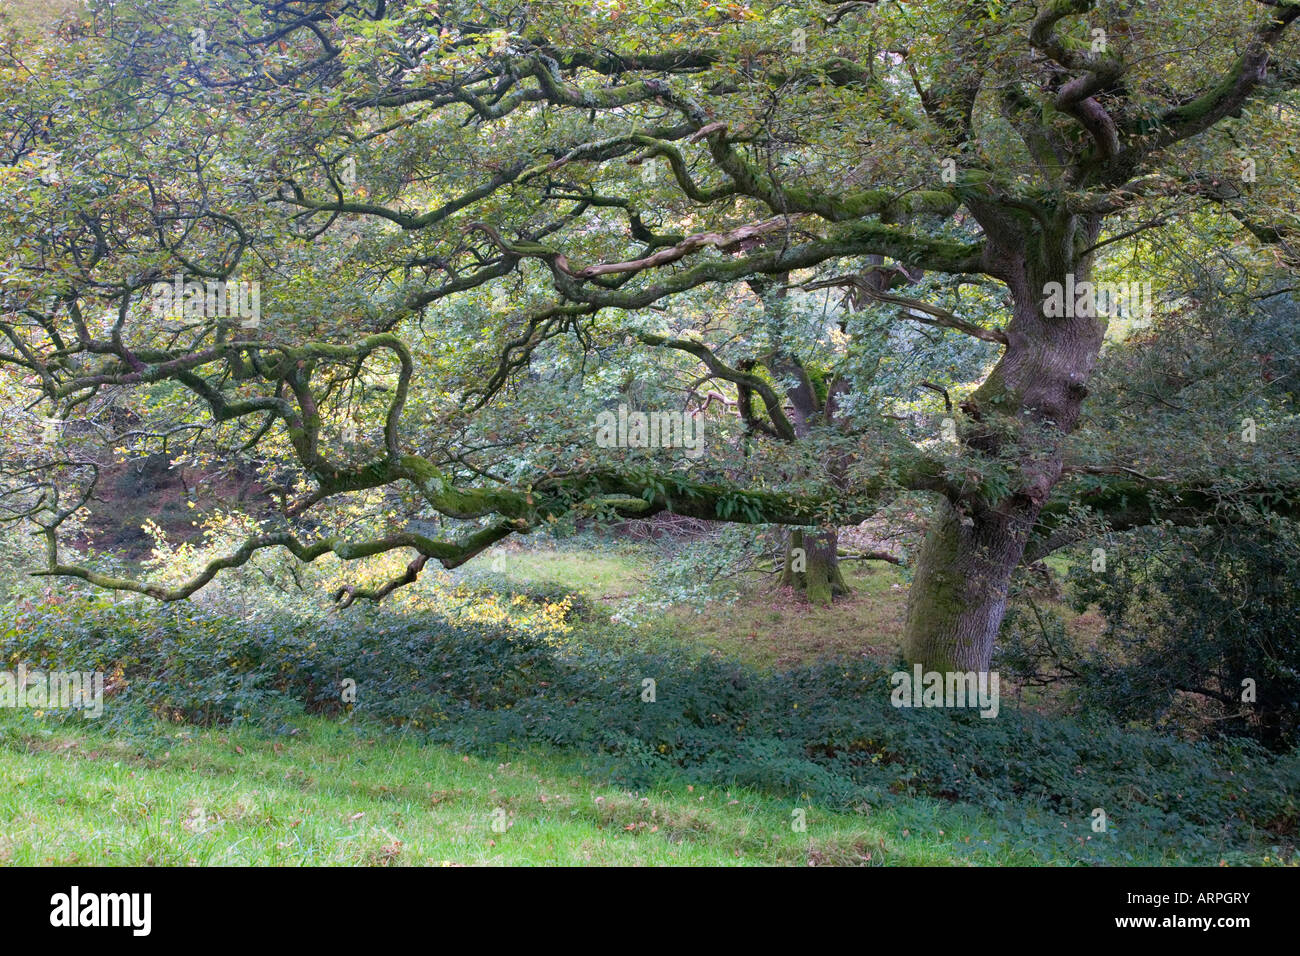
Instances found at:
x=336 y=795
x=606 y=576
x=775 y=628
x=770 y=628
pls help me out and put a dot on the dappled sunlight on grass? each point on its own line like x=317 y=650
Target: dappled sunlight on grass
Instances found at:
x=776 y=628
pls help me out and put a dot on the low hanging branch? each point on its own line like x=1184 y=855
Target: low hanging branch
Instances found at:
x=872 y=556
x=345 y=595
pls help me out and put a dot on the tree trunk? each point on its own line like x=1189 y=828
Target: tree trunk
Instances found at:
x=959 y=591
x=1019 y=417
x=811 y=557
x=812 y=566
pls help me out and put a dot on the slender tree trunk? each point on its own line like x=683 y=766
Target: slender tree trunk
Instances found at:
x=1019 y=416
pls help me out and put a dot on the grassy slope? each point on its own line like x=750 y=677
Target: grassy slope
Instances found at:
x=71 y=794
x=333 y=796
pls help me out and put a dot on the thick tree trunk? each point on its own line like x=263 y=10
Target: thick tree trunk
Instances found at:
x=959 y=592
x=1019 y=417
x=812 y=566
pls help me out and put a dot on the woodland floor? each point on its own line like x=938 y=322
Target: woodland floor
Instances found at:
x=338 y=793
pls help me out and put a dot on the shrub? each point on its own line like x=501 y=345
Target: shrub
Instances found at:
x=1190 y=617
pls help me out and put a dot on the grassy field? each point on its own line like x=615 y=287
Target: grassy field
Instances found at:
x=339 y=794
x=770 y=628
x=333 y=795
x=775 y=628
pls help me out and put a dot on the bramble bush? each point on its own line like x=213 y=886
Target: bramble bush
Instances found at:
x=1191 y=616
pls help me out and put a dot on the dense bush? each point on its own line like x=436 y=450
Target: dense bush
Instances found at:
x=826 y=733
x=1189 y=617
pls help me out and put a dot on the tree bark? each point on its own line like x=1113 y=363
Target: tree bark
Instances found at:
x=1020 y=417
x=812 y=566
x=959 y=592
x=816 y=571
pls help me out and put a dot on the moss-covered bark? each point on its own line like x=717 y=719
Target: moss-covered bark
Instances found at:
x=1016 y=422
x=812 y=566
x=959 y=594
